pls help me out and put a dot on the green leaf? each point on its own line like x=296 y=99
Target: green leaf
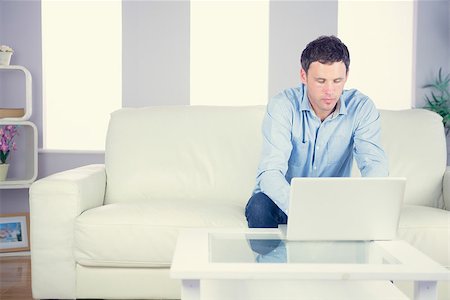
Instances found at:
x=439 y=101
x=3 y=156
x=428 y=86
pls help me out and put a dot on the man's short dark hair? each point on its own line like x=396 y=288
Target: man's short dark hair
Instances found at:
x=326 y=50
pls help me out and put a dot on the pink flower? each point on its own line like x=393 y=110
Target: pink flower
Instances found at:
x=7 y=143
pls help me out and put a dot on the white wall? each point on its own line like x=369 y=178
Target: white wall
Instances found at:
x=432 y=44
x=156 y=67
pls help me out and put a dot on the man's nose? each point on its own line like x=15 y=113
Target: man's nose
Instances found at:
x=328 y=89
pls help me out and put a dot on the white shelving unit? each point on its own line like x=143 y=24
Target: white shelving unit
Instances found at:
x=24 y=161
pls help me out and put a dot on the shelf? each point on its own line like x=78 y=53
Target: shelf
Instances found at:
x=28 y=94
x=23 y=163
x=7 y=113
x=15 y=184
x=18 y=253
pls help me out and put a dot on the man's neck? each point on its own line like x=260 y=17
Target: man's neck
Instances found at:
x=323 y=115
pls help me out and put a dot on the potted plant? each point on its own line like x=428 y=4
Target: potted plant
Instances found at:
x=7 y=143
x=440 y=98
x=5 y=55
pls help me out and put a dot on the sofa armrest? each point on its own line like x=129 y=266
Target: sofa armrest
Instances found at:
x=55 y=202
x=446 y=188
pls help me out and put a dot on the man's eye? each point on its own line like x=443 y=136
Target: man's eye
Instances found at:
x=337 y=80
x=321 y=81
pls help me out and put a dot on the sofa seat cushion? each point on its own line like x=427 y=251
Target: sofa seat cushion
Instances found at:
x=427 y=229
x=144 y=233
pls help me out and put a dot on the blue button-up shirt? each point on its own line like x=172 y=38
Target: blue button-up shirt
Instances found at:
x=296 y=143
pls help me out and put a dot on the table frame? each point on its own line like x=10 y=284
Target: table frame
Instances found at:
x=191 y=265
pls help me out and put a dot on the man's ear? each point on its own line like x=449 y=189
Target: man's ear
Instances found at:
x=303 y=76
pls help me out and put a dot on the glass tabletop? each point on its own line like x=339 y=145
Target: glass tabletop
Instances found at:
x=272 y=248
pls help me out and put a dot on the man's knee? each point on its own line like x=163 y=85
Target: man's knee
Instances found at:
x=259 y=204
x=259 y=211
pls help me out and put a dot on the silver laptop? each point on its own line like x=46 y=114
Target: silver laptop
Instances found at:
x=345 y=208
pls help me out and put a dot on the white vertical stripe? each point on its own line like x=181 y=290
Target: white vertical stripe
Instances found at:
x=379 y=35
x=82 y=69
x=229 y=52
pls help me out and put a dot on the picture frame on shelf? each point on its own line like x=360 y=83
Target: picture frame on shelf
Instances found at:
x=14 y=232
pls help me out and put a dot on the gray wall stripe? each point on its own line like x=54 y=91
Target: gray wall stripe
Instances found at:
x=156 y=53
x=293 y=24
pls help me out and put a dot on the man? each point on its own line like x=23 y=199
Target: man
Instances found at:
x=314 y=130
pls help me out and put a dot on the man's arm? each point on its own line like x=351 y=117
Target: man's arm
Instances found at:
x=368 y=153
x=276 y=151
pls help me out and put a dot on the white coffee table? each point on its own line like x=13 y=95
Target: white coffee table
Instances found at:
x=260 y=264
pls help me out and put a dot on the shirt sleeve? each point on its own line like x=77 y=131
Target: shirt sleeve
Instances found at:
x=369 y=155
x=276 y=151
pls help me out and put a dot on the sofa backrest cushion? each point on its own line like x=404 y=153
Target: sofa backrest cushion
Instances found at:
x=195 y=153
x=201 y=153
x=415 y=144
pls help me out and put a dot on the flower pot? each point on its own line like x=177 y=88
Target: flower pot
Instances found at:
x=5 y=58
x=3 y=171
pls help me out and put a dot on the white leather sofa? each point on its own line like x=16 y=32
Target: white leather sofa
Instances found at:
x=109 y=231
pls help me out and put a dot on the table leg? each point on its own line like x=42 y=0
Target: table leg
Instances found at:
x=425 y=290
x=190 y=289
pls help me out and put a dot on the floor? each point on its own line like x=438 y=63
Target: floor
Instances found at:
x=15 y=278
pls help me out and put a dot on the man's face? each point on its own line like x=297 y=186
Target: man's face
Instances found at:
x=325 y=83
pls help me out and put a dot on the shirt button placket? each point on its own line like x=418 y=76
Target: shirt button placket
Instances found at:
x=319 y=149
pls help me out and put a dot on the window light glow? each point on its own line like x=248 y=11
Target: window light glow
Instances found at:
x=82 y=71
x=229 y=52
x=379 y=35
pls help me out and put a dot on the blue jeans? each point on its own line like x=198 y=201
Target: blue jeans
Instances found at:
x=262 y=212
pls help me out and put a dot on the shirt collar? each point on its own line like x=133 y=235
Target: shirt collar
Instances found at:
x=342 y=108
x=305 y=105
